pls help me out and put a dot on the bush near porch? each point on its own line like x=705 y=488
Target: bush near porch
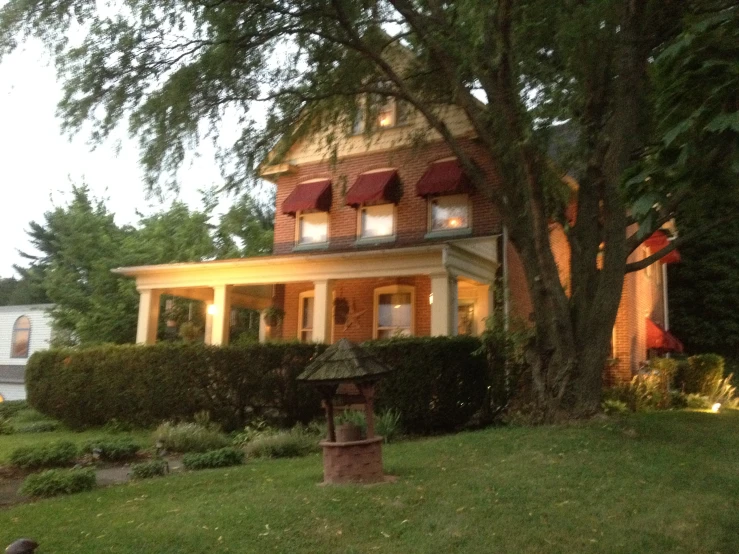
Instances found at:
x=438 y=385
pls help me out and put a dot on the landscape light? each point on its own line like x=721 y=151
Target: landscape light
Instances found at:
x=716 y=407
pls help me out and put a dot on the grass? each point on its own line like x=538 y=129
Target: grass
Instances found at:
x=655 y=482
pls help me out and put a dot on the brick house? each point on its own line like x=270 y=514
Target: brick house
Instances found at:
x=382 y=237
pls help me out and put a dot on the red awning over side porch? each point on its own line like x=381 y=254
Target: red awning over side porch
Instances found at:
x=658 y=338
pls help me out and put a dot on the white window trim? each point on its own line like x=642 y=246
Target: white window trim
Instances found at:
x=13 y=337
x=393 y=289
x=301 y=297
x=311 y=245
x=384 y=238
x=447 y=232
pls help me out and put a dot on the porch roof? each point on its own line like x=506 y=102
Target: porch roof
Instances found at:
x=462 y=258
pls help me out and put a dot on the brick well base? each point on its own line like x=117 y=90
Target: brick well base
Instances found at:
x=353 y=462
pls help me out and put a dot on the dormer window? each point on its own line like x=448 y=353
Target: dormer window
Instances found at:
x=385 y=112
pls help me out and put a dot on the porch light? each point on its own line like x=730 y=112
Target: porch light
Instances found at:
x=431 y=298
x=716 y=407
x=212 y=309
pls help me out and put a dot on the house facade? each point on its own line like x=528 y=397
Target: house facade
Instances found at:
x=381 y=237
x=23 y=331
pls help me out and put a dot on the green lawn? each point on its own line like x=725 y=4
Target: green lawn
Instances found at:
x=658 y=482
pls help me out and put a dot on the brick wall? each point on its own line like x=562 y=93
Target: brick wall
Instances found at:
x=412 y=213
x=360 y=295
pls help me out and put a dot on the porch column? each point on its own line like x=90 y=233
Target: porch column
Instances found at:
x=263 y=328
x=221 y=316
x=146 y=331
x=444 y=306
x=322 y=310
x=484 y=307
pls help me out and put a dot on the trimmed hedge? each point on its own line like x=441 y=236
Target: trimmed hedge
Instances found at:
x=144 y=385
x=58 y=481
x=147 y=470
x=439 y=383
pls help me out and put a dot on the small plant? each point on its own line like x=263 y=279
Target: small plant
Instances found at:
x=114 y=426
x=29 y=415
x=615 y=407
x=11 y=407
x=223 y=457
x=112 y=450
x=38 y=427
x=253 y=430
x=286 y=444
x=697 y=402
x=147 y=470
x=273 y=316
x=55 y=454
x=387 y=424
x=54 y=482
x=5 y=427
x=189 y=437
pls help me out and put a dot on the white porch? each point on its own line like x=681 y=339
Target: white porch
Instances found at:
x=466 y=265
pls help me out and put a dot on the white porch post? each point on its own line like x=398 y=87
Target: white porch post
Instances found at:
x=322 y=310
x=221 y=318
x=263 y=329
x=146 y=331
x=484 y=307
x=445 y=305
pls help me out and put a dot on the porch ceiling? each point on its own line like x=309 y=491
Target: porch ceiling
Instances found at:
x=457 y=260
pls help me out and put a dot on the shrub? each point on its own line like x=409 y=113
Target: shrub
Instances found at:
x=254 y=429
x=721 y=391
x=38 y=427
x=700 y=373
x=5 y=427
x=697 y=402
x=147 y=470
x=58 y=481
x=144 y=385
x=224 y=457
x=29 y=415
x=55 y=454
x=189 y=437
x=644 y=392
x=439 y=382
x=112 y=450
x=10 y=407
x=387 y=424
x=285 y=444
x=615 y=407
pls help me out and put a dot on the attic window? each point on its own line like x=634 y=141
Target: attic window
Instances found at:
x=385 y=112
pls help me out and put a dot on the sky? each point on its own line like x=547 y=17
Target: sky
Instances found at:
x=38 y=164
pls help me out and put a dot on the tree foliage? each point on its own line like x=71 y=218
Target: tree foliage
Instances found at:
x=80 y=243
x=175 y=72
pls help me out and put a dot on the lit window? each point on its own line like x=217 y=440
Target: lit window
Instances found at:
x=449 y=213
x=312 y=227
x=388 y=112
x=21 y=338
x=377 y=221
x=305 y=316
x=394 y=311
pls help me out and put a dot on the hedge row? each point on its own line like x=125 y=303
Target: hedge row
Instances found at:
x=439 y=382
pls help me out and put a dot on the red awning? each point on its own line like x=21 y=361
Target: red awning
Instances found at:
x=315 y=195
x=660 y=339
x=378 y=186
x=657 y=242
x=445 y=177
